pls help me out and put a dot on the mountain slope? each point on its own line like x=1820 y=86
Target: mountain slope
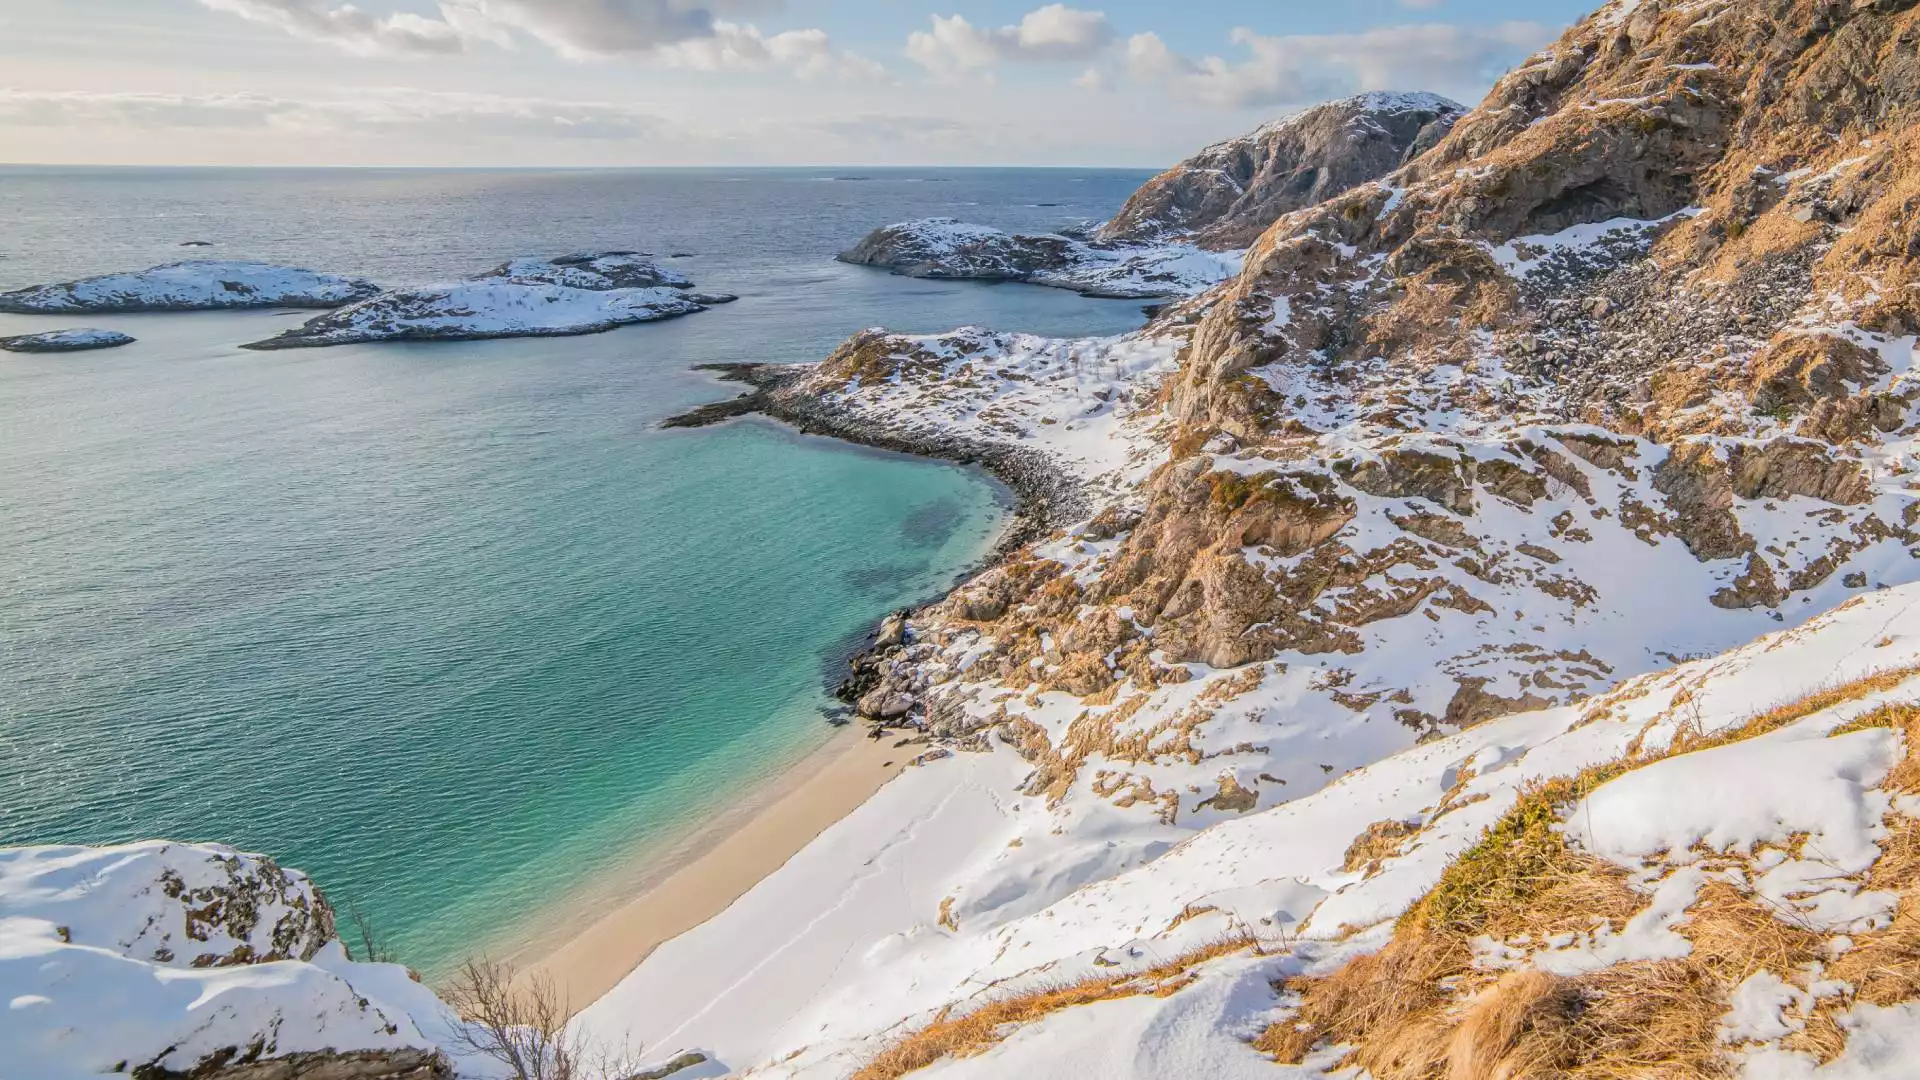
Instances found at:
x=1617 y=374
x=1225 y=196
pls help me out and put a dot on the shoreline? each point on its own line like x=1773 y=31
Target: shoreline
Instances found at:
x=701 y=874
x=704 y=872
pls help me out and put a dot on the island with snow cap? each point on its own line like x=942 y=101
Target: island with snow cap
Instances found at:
x=527 y=297
x=195 y=285
x=65 y=341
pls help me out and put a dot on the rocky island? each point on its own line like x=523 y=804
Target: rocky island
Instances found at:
x=65 y=341
x=569 y=295
x=948 y=249
x=200 y=285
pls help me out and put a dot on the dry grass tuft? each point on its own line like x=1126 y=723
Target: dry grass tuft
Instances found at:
x=1381 y=841
x=967 y=1034
x=1419 y=1009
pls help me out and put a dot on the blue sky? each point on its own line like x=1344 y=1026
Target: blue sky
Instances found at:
x=678 y=82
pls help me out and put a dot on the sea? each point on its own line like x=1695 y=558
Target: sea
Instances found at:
x=455 y=627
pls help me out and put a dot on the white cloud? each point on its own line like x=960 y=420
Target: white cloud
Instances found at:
x=1304 y=68
x=808 y=54
x=347 y=27
x=1055 y=32
x=680 y=33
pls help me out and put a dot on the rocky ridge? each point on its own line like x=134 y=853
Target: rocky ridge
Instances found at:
x=1225 y=196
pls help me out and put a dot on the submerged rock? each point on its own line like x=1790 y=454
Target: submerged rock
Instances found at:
x=570 y=295
x=192 y=286
x=60 y=341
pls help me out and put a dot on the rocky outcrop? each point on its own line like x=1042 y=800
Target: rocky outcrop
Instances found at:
x=65 y=341
x=169 y=961
x=570 y=295
x=192 y=286
x=947 y=249
x=319 y=1065
x=1225 y=196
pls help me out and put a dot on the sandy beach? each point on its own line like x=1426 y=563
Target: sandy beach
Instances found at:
x=720 y=864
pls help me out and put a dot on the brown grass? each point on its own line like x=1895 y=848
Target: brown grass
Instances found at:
x=967 y=1034
x=1420 y=1010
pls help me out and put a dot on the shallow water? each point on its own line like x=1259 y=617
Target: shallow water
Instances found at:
x=453 y=626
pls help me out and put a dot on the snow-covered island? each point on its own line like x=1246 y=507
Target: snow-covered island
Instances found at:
x=79 y=339
x=529 y=297
x=946 y=248
x=195 y=285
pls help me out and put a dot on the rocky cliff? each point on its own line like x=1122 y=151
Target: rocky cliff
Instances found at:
x=1225 y=196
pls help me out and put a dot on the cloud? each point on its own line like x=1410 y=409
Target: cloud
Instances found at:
x=1304 y=68
x=385 y=110
x=347 y=27
x=808 y=54
x=1055 y=32
x=680 y=33
x=579 y=29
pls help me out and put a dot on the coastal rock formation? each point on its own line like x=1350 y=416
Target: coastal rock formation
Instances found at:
x=194 y=960
x=944 y=248
x=61 y=341
x=1225 y=196
x=192 y=286
x=1618 y=373
x=573 y=294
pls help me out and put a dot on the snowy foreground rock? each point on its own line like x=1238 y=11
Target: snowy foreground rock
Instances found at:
x=944 y=248
x=160 y=959
x=62 y=341
x=192 y=286
x=579 y=294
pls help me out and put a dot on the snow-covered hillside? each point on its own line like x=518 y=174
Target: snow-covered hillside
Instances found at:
x=954 y=889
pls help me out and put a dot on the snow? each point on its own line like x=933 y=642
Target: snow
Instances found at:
x=1797 y=781
x=951 y=249
x=76 y=340
x=191 y=286
x=121 y=957
x=813 y=970
x=581 y=294
x=1073 y=399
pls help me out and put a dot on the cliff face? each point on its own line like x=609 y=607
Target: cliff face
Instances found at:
x=1225 y=196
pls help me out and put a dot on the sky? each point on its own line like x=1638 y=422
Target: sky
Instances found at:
x=1125 y=83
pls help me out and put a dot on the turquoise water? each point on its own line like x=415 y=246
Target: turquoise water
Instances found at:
x=455 y=626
